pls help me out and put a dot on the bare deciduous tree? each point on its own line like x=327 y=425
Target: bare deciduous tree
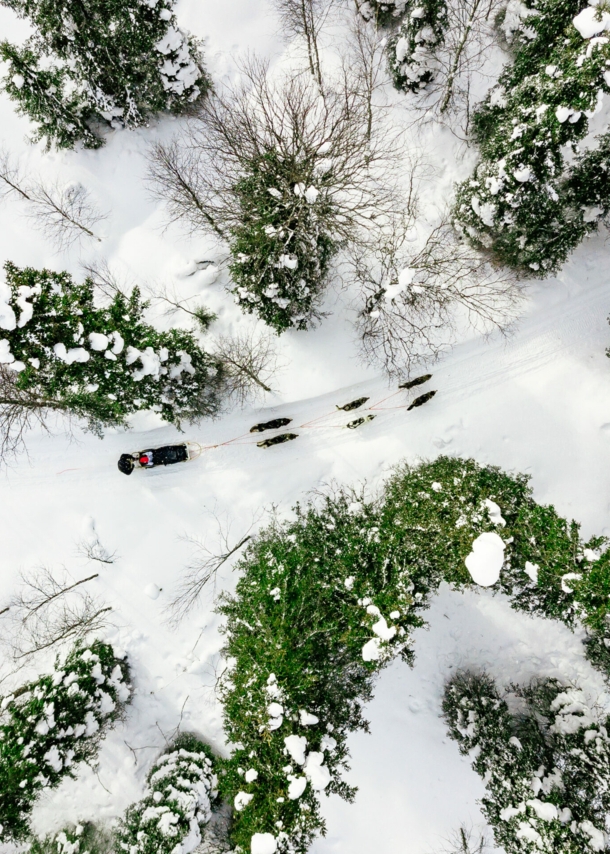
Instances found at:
x=471 y=29
x=63 y=212
x=49 y=609
x=250 y=361
x=365 y=66
x=305 y=19
x=413 y=302
x=199 y=175
x=470 y=32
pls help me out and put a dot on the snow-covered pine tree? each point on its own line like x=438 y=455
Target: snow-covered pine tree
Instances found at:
x=523 y=202
x=99 y=363
x=383 y=12
x=410 y=49
x=182 y=789
x=282 y=248
x=546 y=769
x=51 y=725
x=92 y=63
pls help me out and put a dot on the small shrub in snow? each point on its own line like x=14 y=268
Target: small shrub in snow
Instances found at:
x=85 y=838
x=546 y=769
x=99 y=363
x=101 y=62
x=49 y=726
x=411 y=48
x=324 y=602
x=178 y=803
x=524 y=202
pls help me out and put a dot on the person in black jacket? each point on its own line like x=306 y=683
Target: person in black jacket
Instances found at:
x=165 y=456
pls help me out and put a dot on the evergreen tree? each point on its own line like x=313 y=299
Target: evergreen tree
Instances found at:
x=178 y=802
x=282 y=248
x=411 y=48
x=546 y=770
x=51 y=725
x=100 y=62
x=325 y=601
x=524 y=203
x=98 y=363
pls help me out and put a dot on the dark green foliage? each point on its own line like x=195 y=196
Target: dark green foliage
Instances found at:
x=281 y=251
x=597 y=649
x=85 y=838
x=60 y=112
x=383 y=12
x=296 y=629
x=525 y=202
x=182 y=789
x=54 y=335
x=325 y=601
x=546 y=768
x=110 y=62
x=410 y=49
x=49 y=726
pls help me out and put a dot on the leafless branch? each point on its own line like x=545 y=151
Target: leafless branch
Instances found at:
x=51 y=608
x=202 y=569
x=173 y=304
x=250 y=361
x=466 y=841
x=63 y=212
x=20 y=411
x=105 y=280
x=94 y=550
x=365 y=66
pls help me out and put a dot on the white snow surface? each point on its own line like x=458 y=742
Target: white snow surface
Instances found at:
x=486 y=558
x=592 y=21
x=537 y=402
x=263 y=843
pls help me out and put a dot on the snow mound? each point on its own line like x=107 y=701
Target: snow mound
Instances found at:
x=486 y=558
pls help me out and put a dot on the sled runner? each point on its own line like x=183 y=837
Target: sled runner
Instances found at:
x=419 y=401
x=270 y=425
x=362 y=420
x=277 y=440
x=163 y=455
x=354 y=404
x=417 y=381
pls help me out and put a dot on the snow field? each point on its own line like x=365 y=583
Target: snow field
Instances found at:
x=536 y=402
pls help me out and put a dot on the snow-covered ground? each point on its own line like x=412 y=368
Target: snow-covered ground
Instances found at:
x=537 y=402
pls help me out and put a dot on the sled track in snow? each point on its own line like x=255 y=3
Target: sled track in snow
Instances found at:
x=468 y=370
